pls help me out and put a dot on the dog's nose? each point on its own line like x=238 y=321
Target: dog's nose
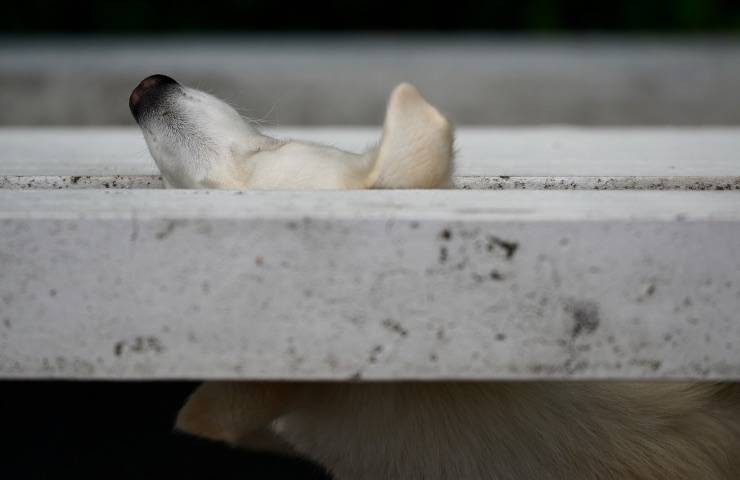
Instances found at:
x=148 y=91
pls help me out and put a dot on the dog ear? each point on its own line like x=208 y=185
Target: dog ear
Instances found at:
x=231 y=411
x=416 y=148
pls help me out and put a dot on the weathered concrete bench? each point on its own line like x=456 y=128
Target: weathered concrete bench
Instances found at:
x=102 y=281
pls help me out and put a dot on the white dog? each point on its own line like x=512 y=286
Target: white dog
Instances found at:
x=199 y=141
x=432 y=431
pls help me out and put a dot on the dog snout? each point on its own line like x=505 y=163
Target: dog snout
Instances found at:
x=148 y=92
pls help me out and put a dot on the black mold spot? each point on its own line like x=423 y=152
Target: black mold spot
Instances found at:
x=443 y=254
x=52 y=293
x=500 y=337
x=377 y=349
x=139 y=345
x=445 y=234
x=653 y=365
x=585 y=316
x=143 y=344
x=508 y=247
x=168 y=229
x=494 y=275
x=441 y=334
x=395 y=327
x=75 y=179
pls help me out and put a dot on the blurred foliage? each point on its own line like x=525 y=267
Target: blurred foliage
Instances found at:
x=113 y=16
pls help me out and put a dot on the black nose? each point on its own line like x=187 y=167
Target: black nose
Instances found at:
x=148 y=92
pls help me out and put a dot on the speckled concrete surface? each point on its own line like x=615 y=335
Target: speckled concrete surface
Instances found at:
x=369 y=284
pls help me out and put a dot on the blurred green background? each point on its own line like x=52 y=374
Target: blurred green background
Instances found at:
x=119 y=16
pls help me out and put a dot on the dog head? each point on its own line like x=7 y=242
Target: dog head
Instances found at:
x=188 y=131
x=199 y=141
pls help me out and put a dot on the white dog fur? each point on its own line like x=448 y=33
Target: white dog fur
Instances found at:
x=199 y=141
x=432 y=431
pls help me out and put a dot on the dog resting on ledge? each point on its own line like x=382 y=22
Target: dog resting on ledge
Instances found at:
x=199 y=141
x=421 y=430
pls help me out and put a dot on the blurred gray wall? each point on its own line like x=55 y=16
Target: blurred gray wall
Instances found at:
x=346 y=80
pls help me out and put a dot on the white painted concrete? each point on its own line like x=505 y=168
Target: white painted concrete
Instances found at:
x=312 y=285
x=537 y=151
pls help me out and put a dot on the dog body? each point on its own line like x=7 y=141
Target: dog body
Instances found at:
x=476 y=431
x=435 y=430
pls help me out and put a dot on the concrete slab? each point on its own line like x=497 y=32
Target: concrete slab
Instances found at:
x=369 y=285
x=531 y=151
